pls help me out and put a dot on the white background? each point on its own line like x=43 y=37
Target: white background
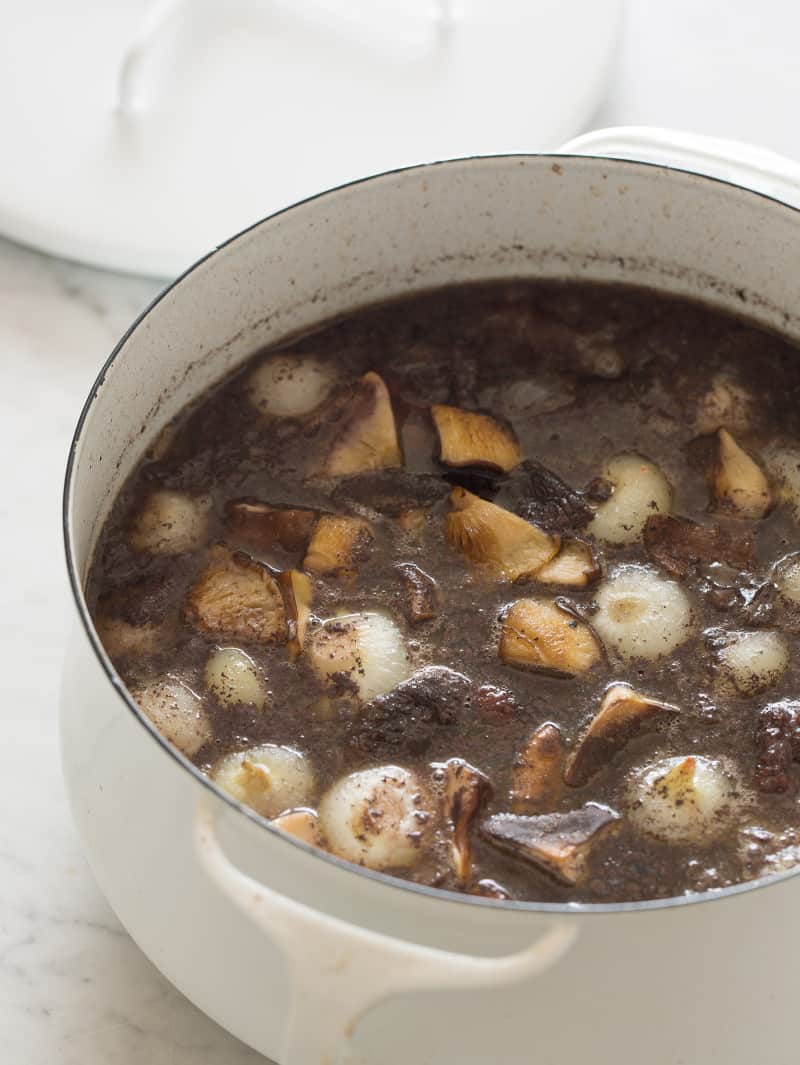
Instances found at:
x=74 y=990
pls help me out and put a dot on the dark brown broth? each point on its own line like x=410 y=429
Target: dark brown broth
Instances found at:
x=473 y=346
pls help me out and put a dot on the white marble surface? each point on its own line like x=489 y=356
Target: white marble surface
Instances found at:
x=74 y=990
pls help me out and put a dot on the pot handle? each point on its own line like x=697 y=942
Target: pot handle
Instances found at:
x=735 y=161
x=338 y=971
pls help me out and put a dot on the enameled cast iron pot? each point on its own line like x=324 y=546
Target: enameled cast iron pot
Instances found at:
x=289 y=948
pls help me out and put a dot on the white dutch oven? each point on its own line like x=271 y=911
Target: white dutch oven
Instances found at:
x=290 y=949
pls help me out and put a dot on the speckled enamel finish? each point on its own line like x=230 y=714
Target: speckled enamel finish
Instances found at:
x=681 y=984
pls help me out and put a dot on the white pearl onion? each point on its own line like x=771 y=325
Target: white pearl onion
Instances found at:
x=377 y=817
x=754 y=660
x=268 y=779
x=289 y=386
x=641 y=614
x=640 y=490
x=170 y=523
x=369 y=647
x=233 y=678
x=177 y=712
x=683 y=799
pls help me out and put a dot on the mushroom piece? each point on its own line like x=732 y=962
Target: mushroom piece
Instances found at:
x=725 y=404
x=413 y=520
x=337 y=544
x=377 y=817
x=641 y=614
x=467 y=438
x=237 y=598
x=558 y=843
x=541 y=497
x=298 y=593
x=405 y=720
x=422 y=595
x=537 y=775
x=303 y=824
x=260 y=527
x=464 y=789
x=368 y=438
x=640 y=489
x=623 y=714
x=508 y=546
x=752 y=661
x=739 y=485
x=288 y=385
x=170 y=523
x=683 y=799
x=359 y=654
x=177 y=712
x=123 y=641
x=269 y=779
x=575 y=566
x=539 y=634
x=777 y=745
x=678 y=545
x=232 y=677
x=495 y=704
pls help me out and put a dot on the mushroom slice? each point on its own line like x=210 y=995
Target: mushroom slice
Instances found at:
x=640 y=489
x=170 y=523
x=777 y=745
x=509 y=546
x=406 y=719
x=422 y=595
x=125 y=641
x=236 y=597
x=263 y=528
x=368 y=439
x=538 y=770
x=337 y=544
x=739 y=485
x=539 y=634
x=377 y=817
x=298 y=593
x=558 y=843
x=754 y=660
x=574 y=566
x=268 y=779
x=288 y=386
x=467 y=438
x=359 y=654
x=177 y=712
x=464 y=790
x=678 y=544
x=233 y=678
x=683 y=799
x=623 y=714
x=303 y=824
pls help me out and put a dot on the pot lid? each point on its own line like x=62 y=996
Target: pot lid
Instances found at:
x=139 y=134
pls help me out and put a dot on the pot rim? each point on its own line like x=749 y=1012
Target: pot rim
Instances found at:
x=76 y=587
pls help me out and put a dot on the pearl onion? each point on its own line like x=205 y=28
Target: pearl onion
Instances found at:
x=170 y=523
x=290 y=386
x=786 y=576
x=642 y=614
x=268 y=779
x=232 y=676
x=368 y=647
x=640 y=490
x=681 y=799
x=754 y=660
x=376 y=817
x=177 y=712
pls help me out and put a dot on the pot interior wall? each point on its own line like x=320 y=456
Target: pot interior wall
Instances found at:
x=525 y=216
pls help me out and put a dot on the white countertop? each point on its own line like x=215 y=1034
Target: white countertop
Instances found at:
x=74 y=989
